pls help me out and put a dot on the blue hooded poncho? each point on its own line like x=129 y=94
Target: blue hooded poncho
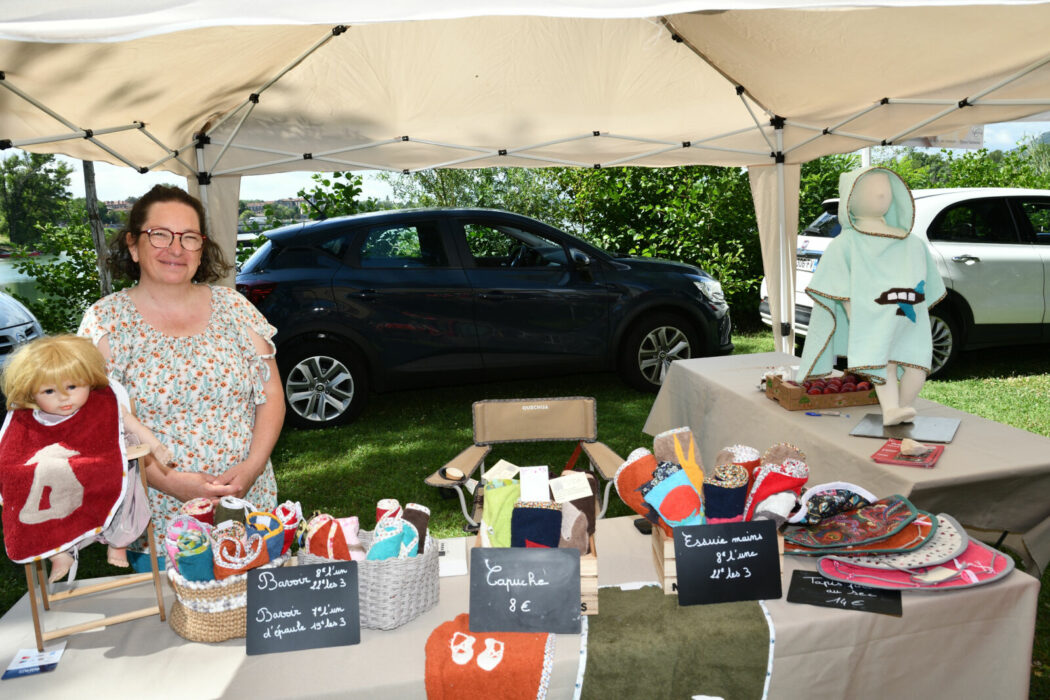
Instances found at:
x=890 y=283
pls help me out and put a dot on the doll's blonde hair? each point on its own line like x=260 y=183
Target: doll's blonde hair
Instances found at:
x=49 y=361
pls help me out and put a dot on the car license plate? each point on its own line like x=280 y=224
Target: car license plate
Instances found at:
x=806 y=264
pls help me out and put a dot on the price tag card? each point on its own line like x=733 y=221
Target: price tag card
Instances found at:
x=519 y=589
x=535 y=483
x=727 y=562
x=501 y=470
x=303 y=607
x=810 y=588
x=570 y=487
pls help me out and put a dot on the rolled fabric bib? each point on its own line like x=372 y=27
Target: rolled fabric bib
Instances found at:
x=588 y=505
x=776 y=507
x=535 y=524
x=744 y=456
x=233 y=508
x=324 y=538
x=574 y=529
x=387 y=540
x=201 y=509
x=233 y=556
x=388 y=508
x=776 y=478
x=270 y=528
x=677 y=501
x=662 y=471
x=410 y=540
x=419 y=516
x=725 y=492
x=176 y=527
x=290 y=514
x=194 y=558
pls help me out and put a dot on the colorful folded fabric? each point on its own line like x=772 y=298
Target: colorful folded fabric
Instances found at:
x=770 y=479
x=351 y=527
x=776 y=507
x=388 y=508
x=725 y=492
x=201 y=509
x=978 y=564
x=662 y=471
x=233 y=556
x=387 y=540
x=664 y=443
x=233 y=508
x=176 y=527
x=419 y=516
x=500 y=495
x=907 y=539
x=867 y=524
x=677 y=501
x=636 y=471
x=290 y=513
x=272 y=530
x=780 y=452
x=465 y=665
x=824 y=500
x=535 y=524
x=949 y=541
x=231 y=528
x=410 y=540
x=194 y=558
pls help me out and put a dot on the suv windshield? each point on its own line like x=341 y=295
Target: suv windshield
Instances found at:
x=826 y=226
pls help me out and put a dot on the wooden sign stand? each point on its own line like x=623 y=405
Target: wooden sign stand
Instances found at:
x=35 y=571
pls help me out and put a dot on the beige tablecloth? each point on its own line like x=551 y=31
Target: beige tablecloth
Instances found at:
x=991 y=476
x=973 y=643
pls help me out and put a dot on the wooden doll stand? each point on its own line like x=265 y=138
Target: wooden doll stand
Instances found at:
x=133 y=452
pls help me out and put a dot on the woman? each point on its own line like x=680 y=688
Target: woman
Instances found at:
x=197 y=359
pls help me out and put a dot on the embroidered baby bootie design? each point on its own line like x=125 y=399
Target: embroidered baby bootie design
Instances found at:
x=492 y=655
x=462 y=646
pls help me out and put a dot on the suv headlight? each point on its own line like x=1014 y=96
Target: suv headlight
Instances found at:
x=711 y=289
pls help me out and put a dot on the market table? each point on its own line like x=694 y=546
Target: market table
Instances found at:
x=992 y=476
x=967 y=643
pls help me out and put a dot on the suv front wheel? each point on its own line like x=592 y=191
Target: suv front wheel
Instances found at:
x=325 y=384
x=652 y=345
x=946 y=338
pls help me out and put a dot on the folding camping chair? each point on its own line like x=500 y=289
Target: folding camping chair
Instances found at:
x=35 y=572
x=573 y=419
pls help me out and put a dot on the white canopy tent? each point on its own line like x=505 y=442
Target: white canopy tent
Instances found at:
x=213 y=90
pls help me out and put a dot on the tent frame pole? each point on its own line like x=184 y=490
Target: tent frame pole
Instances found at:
x=786 y=314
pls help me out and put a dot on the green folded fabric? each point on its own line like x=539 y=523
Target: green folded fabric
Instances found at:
x=643 y=645
x=500 y=497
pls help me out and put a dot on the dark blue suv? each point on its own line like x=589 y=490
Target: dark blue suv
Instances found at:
x=400 y=299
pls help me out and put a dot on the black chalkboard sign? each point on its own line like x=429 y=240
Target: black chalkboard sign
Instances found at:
x=520 y=589
x=810 y=588
x=303 y=607
x=727 y=562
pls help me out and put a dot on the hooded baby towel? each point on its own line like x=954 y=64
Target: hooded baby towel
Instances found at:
x=885 y=274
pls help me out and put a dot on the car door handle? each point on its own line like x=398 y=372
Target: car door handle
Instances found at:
x=967 y=259
x=365 y=295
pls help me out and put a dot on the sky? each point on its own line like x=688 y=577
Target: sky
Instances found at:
x=115 y=183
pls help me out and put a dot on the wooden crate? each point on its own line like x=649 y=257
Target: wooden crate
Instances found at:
x=664 y=561
x=588 y=579
x=794 y=397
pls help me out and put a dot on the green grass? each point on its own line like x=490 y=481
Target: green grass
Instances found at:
x=402 y=437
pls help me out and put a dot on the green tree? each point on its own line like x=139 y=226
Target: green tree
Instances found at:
x=32 y=189
x=530 y=192
x=820 y=181
x=66 y=275
x=335 y=194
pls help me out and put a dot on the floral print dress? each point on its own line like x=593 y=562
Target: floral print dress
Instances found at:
x=196 y=393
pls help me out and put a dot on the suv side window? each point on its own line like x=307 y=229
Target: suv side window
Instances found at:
x=975 y=221
x=1037 y=214
x=508 y=246
x=403 y=245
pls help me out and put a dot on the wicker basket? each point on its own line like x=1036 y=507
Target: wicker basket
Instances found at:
x=393 y=591
x=211 y=611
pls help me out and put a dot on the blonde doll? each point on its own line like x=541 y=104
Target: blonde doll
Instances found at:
x=64 y=480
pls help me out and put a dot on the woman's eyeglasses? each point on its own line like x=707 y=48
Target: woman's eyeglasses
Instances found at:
x=162 y=238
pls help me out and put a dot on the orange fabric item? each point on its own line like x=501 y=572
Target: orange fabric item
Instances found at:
x=329 y=542
x=465 y=665
x=234 y=557
x=632 y=475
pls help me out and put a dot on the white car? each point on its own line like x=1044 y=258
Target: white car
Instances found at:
x=992 y=247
